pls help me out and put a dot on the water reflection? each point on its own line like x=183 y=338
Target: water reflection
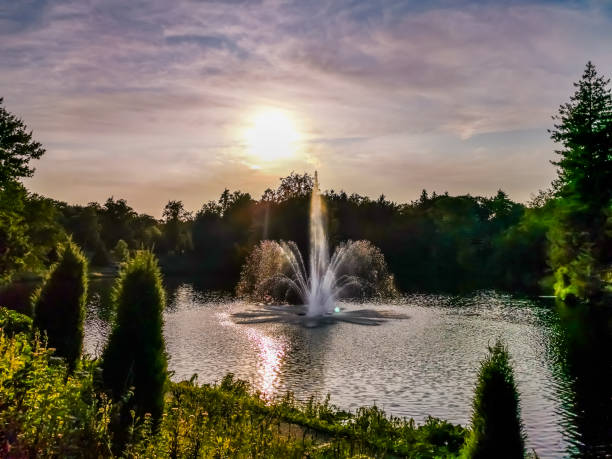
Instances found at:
x=271 y=354
x=583 y=344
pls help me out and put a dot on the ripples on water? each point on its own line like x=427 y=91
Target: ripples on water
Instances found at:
x=421 y=360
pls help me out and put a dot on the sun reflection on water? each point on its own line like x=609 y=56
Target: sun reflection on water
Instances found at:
x=271 y=354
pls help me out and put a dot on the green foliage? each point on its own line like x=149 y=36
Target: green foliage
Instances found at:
x=14 y=243
x=135 y=355
x=12 y=322
x=228 y=420
x=584 y=130
x=519 y=259
x=59 y=304
x=496 y=422
x=29 y=231
x=44 y=410
x=16 y=148
x=581 y=240
x=121 y=252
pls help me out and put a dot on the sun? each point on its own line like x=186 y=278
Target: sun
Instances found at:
x=272 y=135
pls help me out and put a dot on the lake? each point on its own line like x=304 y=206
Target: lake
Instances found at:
x=420 y=359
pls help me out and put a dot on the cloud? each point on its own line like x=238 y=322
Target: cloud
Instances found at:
x=391 y=96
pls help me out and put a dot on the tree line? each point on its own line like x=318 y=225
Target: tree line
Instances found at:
x=560 y=241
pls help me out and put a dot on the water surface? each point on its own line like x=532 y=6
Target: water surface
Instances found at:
x=422 y=360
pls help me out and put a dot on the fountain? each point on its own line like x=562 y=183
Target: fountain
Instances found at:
x=357 y=264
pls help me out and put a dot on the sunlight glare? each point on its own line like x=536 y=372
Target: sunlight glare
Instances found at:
x=272 y=135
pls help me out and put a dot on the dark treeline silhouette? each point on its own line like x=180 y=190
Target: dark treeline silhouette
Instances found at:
x=437 y=242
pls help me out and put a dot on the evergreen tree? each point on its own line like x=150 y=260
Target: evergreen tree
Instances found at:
x=59 y=305
x=584 y=131
x=580 y=241
x=496 y=421
x=135 y=354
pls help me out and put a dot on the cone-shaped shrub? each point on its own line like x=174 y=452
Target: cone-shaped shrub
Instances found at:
x=135 y=354
x=59 y=304
x=496 y=421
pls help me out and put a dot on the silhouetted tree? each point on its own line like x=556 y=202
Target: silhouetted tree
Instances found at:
x=117 y=219
x=177 y=237
x=59 y=305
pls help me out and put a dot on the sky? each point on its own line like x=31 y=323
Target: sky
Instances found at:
x=157 y=100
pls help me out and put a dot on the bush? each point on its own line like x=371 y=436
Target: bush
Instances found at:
x=121 y=252
x=496 y=422
x=44 y=411
x=12 y=322
x=59 y=305
x=135 y=355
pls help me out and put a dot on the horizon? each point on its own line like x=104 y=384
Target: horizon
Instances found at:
x=159 y=103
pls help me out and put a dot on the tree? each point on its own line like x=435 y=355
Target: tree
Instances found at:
x=17 y=249
x=176 y=235
x=16 y=148
x=294 y=185
x=121 y=252
x=59 y=305
x=14 y=243
x=175 y=211
x=497 y=430
x=580 y=241
x=584 y=130
x=117 y=219
x=135 y=356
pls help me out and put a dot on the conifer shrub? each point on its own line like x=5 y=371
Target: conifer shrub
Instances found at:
x=59 y=304
x=134 y=358
x=496 y=422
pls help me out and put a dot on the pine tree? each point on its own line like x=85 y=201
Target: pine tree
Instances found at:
x=580 y=241
x=584 y=130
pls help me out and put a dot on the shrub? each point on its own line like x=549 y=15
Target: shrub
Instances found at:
x=59 y=305
x=496 y=422
x=44 y=411
x=121 y=252
x=12 y=322
x=135 y=354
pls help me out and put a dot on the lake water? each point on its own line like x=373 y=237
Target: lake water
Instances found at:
x=421 y=360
